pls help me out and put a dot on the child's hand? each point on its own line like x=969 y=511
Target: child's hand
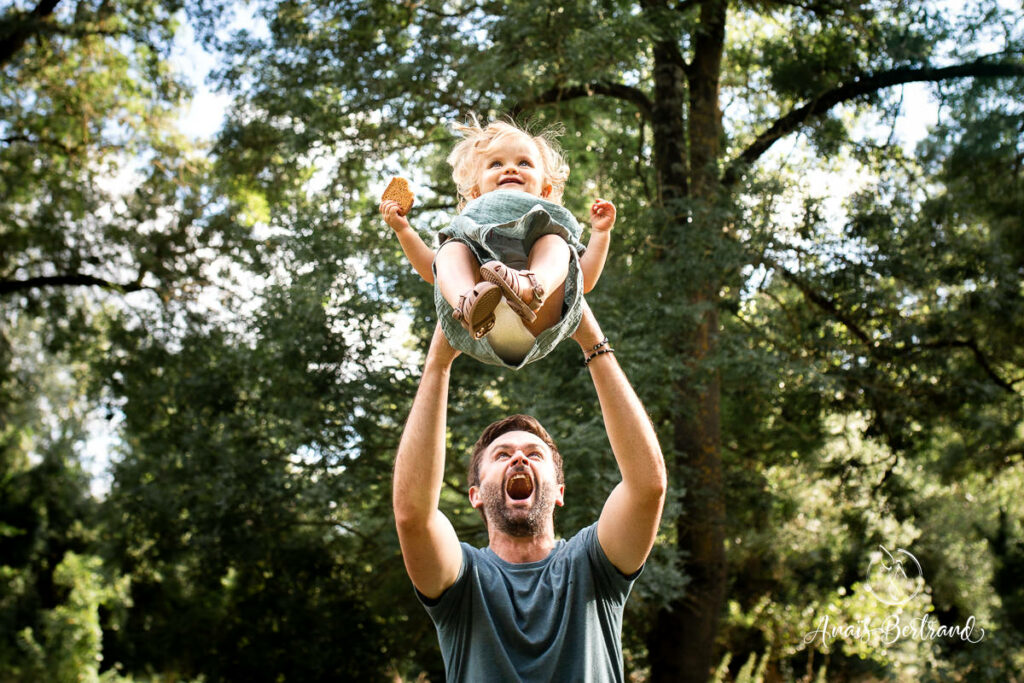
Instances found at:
x=390 y=210
x=602 y=216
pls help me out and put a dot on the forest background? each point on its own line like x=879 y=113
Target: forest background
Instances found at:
x=826 y=325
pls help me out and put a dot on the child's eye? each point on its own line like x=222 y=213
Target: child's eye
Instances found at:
x=526 y=163
x=495 y=164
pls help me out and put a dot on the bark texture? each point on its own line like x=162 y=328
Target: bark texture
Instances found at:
x=20 y=26
x=682 y=643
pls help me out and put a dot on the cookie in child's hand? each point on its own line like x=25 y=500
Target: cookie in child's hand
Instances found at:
x=398 y=190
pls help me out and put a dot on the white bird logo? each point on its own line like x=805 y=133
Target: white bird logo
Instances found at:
x=895 y=586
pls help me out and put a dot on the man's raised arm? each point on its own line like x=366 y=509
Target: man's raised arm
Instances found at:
x=629 y=521
x=430 y=547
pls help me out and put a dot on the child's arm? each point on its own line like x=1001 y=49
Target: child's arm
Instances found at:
x=416 y=250
x=602 y=220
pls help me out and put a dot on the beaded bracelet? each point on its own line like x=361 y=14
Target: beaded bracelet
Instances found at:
x=599 y=344
x=596 y=354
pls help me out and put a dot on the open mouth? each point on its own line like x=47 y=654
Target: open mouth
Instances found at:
x=519 y=486
x=510 y=179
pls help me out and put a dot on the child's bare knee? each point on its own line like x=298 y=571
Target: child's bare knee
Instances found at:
x=549 y=244
x=453 y=248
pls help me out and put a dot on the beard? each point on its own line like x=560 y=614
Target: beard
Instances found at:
x=518 y=523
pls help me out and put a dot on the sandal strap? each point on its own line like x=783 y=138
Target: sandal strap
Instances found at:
x=538 y=291
x=457 y=311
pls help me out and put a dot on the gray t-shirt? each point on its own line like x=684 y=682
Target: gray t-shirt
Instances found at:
x=559 y=619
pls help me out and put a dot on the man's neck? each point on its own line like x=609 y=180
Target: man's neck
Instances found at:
x=519 y=550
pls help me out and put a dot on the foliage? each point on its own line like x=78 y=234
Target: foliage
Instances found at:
x=54 y=592
x=248 y=534
x=68 y=647
x=849 y=350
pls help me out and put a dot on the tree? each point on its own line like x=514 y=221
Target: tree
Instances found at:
x=104 y=206
x=55 y=593
x=788 y=353
x=100 y=193
x=251 y=533
x=642 y=89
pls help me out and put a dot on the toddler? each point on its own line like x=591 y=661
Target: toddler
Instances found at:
x=510 y=271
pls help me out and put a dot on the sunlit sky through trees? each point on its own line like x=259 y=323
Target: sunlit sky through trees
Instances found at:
x=204 y=114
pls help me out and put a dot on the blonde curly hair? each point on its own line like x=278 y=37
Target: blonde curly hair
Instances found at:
x=465 y=158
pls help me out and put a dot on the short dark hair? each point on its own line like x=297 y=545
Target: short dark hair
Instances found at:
x=512 y=423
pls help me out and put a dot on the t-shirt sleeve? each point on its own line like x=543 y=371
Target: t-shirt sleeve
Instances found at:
x=443 y=607
x=612 y=583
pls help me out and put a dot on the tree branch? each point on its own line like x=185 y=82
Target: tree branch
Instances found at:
x=455 y=487
x=970 y=344
x=82 y=32
x=17 y=29
x=50 y=142
x=879 y=351
x=825 y=304
x=69 y=280
x=686 y=5
x=669 y=45
x=981 y=68
x=464 y=12
x=616 y=90
x=819 y=7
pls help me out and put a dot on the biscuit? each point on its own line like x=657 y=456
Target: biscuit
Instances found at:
x=398 y=190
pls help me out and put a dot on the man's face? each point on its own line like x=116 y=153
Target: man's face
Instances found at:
x=519 y=486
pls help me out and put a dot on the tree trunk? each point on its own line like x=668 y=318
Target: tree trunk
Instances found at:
x=21 y=26
x=669 y=132
x=681 y=645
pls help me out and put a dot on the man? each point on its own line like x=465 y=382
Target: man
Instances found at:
x=527 y=607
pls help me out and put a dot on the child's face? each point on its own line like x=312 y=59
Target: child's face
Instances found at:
x=512 y=162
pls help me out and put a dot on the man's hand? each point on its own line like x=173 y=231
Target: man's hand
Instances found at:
x=602 y=216
x=440 y=350
x=588 y=333
x=430 y=546
x=392 y=215
x=629 y=521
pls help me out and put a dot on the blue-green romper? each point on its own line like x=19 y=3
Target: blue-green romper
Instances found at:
x=502 y=225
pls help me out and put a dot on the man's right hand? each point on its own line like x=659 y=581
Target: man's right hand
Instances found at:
x=440 y=350
x=392 y=216
x=430 y=546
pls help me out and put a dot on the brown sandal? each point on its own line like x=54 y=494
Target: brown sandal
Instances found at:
x=476 y=309
x=512 y=286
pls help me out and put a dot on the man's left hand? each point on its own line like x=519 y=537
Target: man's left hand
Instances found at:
x=588 y=333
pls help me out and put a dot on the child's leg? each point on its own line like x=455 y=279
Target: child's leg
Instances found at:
x=549 y=261
x=547 y=266
x=549 y=313
x=456 y=271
